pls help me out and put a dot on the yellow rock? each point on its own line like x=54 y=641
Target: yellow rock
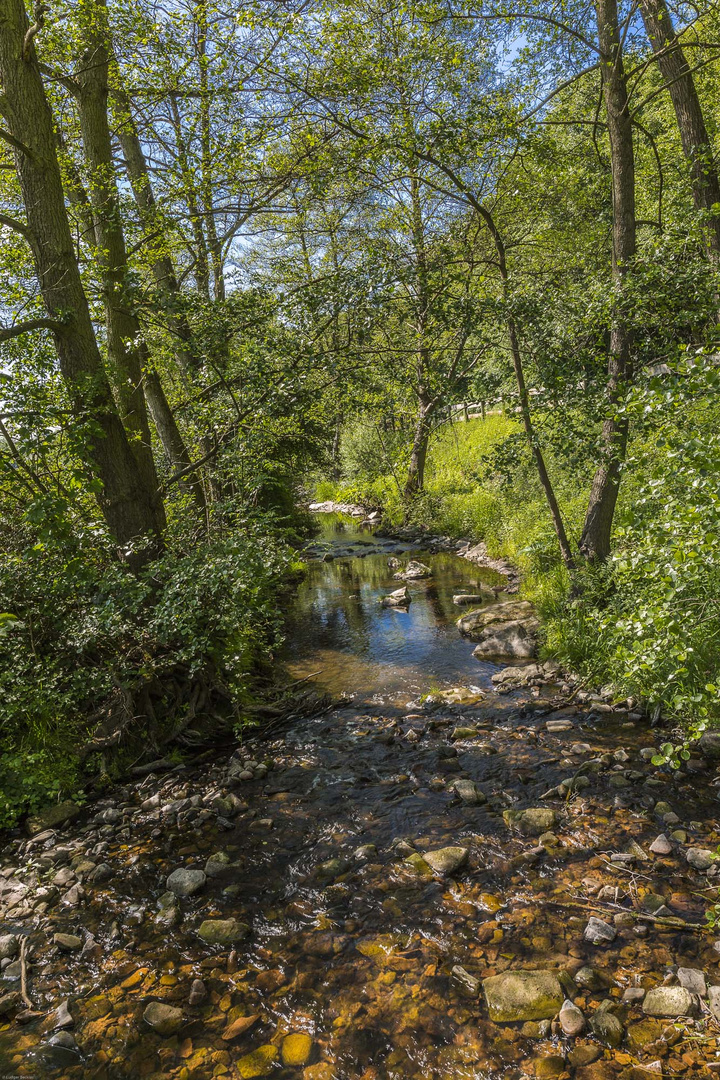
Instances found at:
x=258 y=1063
x=134 y=979
x=296 y=1048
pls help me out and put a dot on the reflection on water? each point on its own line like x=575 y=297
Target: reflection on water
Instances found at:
x=339 y=627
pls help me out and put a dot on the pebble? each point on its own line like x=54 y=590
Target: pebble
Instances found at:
x=165 y=1019
x=693 y=980
x=598 y=932
x=572 y=1020
x=447 y=860
x=8 y=946
x=700 y=858
x=661 y=845
x=67 y=942
x=185 y=882
x=223 y=931
x=671 y=1001
x=296 y=1049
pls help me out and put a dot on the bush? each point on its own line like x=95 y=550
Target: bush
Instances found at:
x=83 y=642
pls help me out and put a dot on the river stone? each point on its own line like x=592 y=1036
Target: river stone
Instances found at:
x=700 y=858
x=446 y=860
x=467 y=983
x=258 y=1063
x=661 y=845
x=8 y=946
x=399 y=598
x=669 y=1001
x=12 y=999
x=464 y=733
x=223 y=931
x=598 y=932
x=165 y=1019
x=532 y=822
x=709 y=745
x=607 y=1028
x=693 y=980
x=52 y=817
x=461 y=599
x=571 y=1018
x=296 y=1049
x=413 y=571
x=467 y=792
x=589 y=978
x=68 y=942
x=522 y=995
x=217 y=863
x=714 y=1001
x=185 y=882
x=61 y=1017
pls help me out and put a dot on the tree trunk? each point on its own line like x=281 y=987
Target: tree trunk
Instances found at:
x=129 y=505
x=129 y=354
x=595 y=539
x=418 y=455
x=696 y=144
x=123 y=330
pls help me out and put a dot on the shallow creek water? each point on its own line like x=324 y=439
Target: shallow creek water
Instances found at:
x=353 y=938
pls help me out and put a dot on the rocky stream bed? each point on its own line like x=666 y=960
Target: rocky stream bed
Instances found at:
x=490 y=880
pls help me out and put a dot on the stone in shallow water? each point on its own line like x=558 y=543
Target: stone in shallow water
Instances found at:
x=467 y=792
x=467 y=983
x=669 y=1001
x=61 y=1018
x=223 y=931
x=693 y=980
x=598 y=932
x=296 y=1049
x=217 y=863
x=446 y=860
x=572 y=1020
x=8 y=946
x=607 y=1028
x=186 y=882
x=547 y=1068
x=661 y=846
x=68 y=942
x=257 y=1063
x=531 y=822
x=165 y=1019
x=523 y=995
x=700 y=858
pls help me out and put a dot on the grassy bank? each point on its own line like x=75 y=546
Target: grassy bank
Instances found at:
x=647 y=623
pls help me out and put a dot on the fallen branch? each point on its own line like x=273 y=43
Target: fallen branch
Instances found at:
x=23 y=974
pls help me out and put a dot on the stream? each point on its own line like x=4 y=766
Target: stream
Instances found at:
x=336 y=904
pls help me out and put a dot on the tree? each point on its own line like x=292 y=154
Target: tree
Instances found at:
x=128 y=500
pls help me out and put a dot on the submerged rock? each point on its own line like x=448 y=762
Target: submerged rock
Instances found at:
x=296 y=1049
x=165 y=1019
x=571 y=1019
x=671 y=1001
x=258 y=1063
x=185 y=882
x=523 y=995
x=223 y=931
x=446 y=860
x=534 y=821
x=598 y=932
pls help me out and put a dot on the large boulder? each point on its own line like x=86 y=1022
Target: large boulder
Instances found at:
x=52 y=817
x=523 y=995
x=508 y=629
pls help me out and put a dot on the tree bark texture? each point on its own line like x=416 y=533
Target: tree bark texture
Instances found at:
x=128 y=504
x=696 y=144
x=597 y=528
x=123 y=329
